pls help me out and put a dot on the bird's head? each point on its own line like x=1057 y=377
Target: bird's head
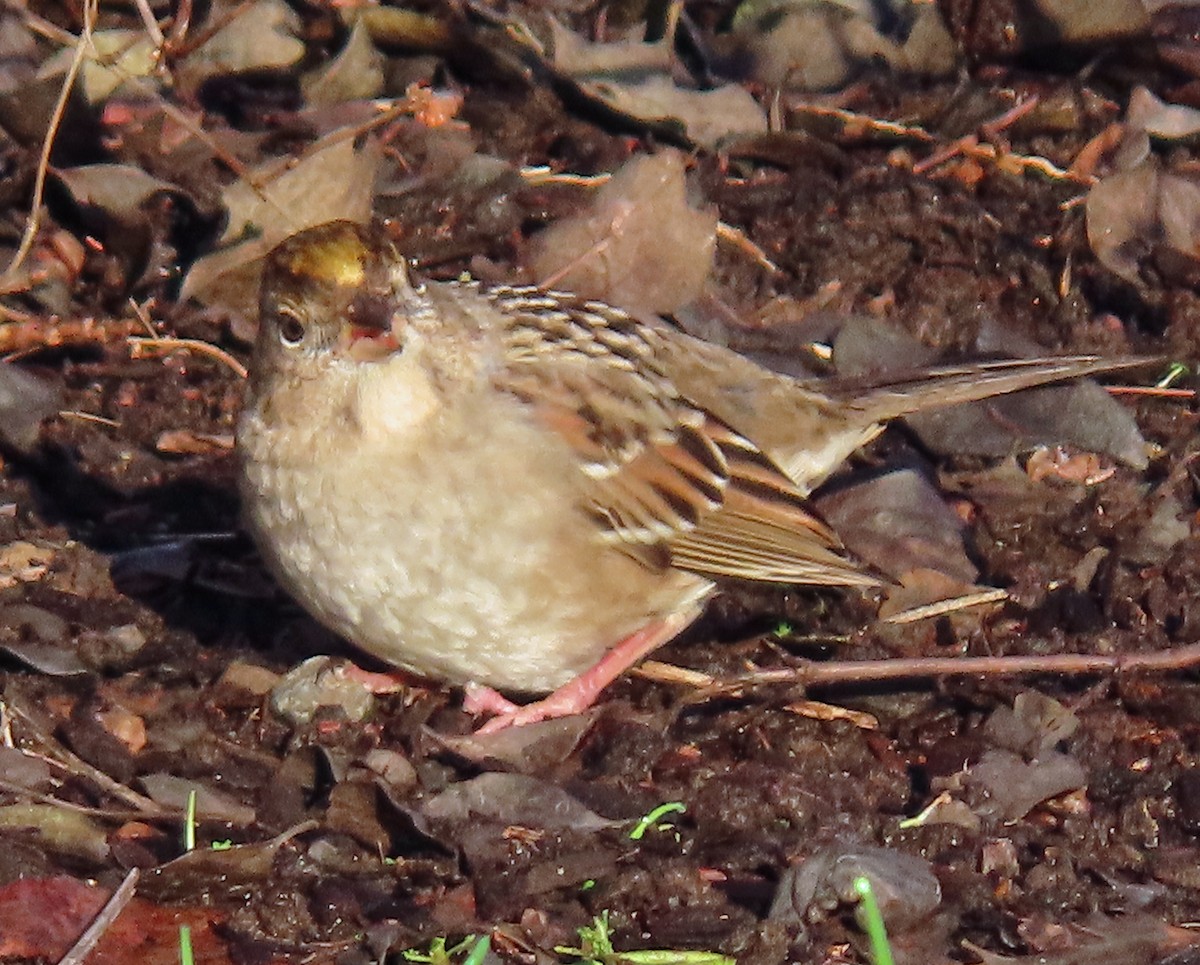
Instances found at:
x=330 y=294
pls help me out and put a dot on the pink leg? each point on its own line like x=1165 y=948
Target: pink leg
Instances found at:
x=391 y=682
x=478 y=699
x=579 y=693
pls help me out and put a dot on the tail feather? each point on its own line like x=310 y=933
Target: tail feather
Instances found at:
x=909 y=392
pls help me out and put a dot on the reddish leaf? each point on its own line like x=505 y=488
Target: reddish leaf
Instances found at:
x=44 y=917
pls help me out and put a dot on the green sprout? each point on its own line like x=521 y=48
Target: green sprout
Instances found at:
x=922 y=818
x=185 y=946
x=222 y=845
x=596 y=948
x=479 y=952
x=189 y=823
x=872 y=922
x=1175 y=372
x=595 y=943
x=649 y=820
x=439 y=954
x=783 y=630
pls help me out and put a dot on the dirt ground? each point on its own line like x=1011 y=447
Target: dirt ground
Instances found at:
x=146 y=648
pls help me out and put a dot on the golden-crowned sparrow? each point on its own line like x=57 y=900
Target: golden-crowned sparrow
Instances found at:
x=521 y=489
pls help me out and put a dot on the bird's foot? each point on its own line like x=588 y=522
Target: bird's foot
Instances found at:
x=578 y=693
x=387 y=682
x=574 y=697
x=478 y=699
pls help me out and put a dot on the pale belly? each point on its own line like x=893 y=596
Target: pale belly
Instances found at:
x=456 y=568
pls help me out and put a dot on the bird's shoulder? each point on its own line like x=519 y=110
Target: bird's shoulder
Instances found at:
x=661 y=469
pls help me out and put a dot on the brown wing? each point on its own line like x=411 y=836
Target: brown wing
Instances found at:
x=660 y=472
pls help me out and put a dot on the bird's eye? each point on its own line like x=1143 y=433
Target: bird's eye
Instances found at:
x=291 y=329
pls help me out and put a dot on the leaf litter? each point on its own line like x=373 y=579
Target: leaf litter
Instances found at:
x=1059 y=816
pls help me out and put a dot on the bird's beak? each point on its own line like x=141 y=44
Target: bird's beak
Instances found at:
x=369 y=330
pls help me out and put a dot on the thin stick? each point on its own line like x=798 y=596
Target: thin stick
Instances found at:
x=544 y=174
x=74 y=764
x=1151 y=390
x=88 y=417
x=150 y=23
x=741 y=241
x=82 y=44
x=912 y=668
x=111 y=814
x=853 y=119
x=139 y=344
x=668 y=673
x=100 y=924
x=942 y=607
x=1009 y=117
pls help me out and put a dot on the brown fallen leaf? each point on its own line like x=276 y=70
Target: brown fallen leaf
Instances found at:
x=44 y=916
x=185 y=442
x=127 y=727
x=640 y=245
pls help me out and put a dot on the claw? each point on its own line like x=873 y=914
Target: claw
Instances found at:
x=579 y=693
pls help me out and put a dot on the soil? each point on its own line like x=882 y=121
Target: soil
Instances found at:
x=144 y=581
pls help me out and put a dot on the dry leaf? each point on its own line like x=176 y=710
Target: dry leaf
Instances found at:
x=707 y=116
x=581 y=58
x=262 y=37
x=355 y=74
x=1159 y=119
x=43 y=917
x=640 y=245
x=127 y=727
x=119 y=190
x=331 y=182
x=117 y=55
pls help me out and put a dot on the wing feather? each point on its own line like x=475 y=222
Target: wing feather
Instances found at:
x=660 y=473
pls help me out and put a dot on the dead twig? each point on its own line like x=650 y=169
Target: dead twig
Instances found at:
x=88 y=417
x=140 y=344
x=6 y=736
x=100 y=924
x=809 y=674
x=970 y=146
x=33 y=334
x=668 y=673
x=739 y=240
x=1151 y=390
x=73 y=764
x=544 y=174
x=1008 y=161
x=1004 y=121
x=83 y=44
x=108 y=814
x=818 y=710
x=942 y=607
x=856 y=124
x=150 y=23
x=180 y=23
x=1088 y=159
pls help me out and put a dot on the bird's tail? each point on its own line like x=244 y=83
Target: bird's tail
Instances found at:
x=909 y=392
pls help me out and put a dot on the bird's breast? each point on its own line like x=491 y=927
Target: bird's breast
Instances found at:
x=457 y=551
